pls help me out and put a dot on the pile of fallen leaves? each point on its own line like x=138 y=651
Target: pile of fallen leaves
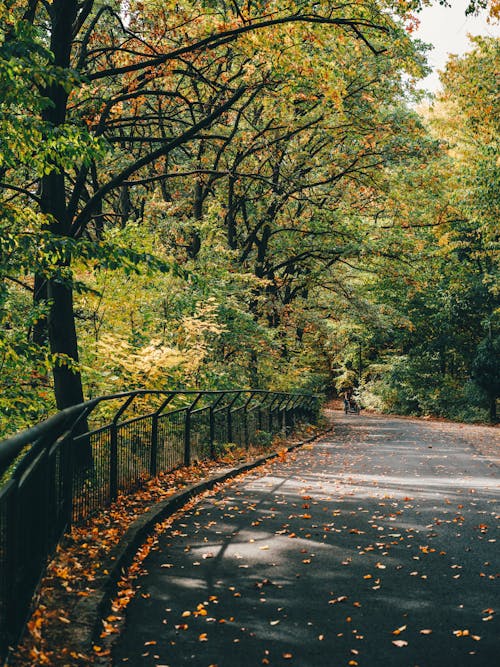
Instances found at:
x=79 y=558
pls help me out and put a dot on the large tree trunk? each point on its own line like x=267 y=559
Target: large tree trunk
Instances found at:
x=61 y=322
x=61 y=329
x=63 y=341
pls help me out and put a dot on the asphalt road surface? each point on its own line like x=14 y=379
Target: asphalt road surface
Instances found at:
x=375 y=546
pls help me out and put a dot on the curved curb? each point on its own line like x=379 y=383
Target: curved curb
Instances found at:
x=91 y=609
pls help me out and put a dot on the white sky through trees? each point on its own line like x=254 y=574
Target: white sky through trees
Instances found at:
x=446 y=28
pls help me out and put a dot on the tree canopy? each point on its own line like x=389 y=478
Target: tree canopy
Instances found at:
x=210 y=194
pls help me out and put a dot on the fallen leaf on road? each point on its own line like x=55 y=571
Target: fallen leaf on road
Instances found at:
x=461 y=633
x=400 y=643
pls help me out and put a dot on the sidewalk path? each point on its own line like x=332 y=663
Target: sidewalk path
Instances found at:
x=376 y=546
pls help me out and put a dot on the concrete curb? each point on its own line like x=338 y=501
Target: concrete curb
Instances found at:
x=90 y=610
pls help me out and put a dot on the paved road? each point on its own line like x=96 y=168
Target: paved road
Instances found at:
x=376 y=546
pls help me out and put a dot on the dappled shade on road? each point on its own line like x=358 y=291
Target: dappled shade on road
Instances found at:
x=374 y=546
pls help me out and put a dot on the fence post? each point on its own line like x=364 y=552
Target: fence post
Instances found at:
x=153 y=462
x=275 y=401
x=286 y=415
x=113 y=452
x=230 y=418
x=245 y=414
x=212 y=431
x=153 y=459
x=187 y=431
x=270 y=414
x=113 y=463
x=214 y=404
x=187 y=438
x=68 y=454
x=282 y=407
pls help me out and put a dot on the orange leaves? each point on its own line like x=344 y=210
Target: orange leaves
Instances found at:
x=489 y=614
x=109 y=627
x=200 y=611
x=341 y=598
x=101 y=651
x=181 y=626
x=79 y=563
x=466 y=633
x=427 y=550
x=39 y=657
x=35 y=623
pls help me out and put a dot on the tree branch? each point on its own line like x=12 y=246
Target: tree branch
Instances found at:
x=226 y=36
x=85 y=215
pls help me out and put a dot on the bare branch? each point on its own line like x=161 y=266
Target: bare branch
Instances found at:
x=85 y=215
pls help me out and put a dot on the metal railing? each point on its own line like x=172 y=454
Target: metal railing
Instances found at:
x=78 y=461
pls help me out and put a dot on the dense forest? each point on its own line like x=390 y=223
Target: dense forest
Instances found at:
x=238 y=193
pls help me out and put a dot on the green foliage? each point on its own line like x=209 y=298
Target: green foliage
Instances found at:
x=486 y=366
x=317 y=235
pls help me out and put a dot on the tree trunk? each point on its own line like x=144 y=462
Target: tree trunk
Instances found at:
x=63 y=341
x=61 y=319
x=124 y=205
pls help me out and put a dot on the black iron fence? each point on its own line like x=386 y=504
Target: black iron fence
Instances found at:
x=77 y=462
